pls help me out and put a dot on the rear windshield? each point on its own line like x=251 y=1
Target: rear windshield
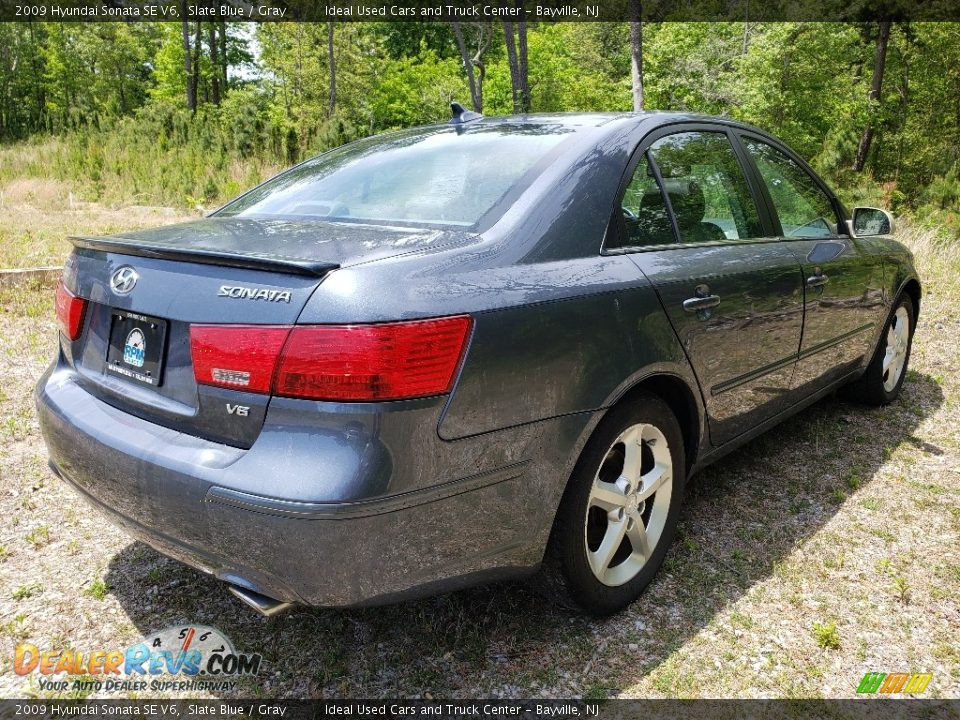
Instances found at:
x=437 y=176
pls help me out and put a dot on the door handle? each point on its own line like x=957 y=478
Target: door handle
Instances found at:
x=696 y=304
x=817 y=280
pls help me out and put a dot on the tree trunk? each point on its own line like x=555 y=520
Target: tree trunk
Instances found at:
x=526 y=103
x=223 y=57
x=481 y=75
x=215 y=62
x=876 y=85
x=746 y=29
x=123 y=96
x=636 y=53
x=332 y=64
x=467 y=66
x=197 y=48
x=37 y=82
x=509 y=34
x=187 y=64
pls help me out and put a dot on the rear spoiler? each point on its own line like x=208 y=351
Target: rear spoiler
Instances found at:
x=270 y=263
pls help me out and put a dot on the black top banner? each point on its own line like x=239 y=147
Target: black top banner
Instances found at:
x=483 y=11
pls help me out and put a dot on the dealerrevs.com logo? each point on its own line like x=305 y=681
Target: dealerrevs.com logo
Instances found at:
x=894 y=683
x=178 y=658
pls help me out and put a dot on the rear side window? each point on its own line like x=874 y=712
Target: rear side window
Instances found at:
x=707 y=189
x=645 y=214
x=804 y=209
x=438 y=177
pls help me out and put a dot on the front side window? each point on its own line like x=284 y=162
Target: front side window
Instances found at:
x=804 y=209
x=425 y=177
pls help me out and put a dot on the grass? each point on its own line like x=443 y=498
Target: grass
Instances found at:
x=38 y=537
x=862 y=543
x=827 y=636
x=114 y=166
x=37 y=216
x=16 y=629
x=27 y=591
x=901 y=589
x=98 y=589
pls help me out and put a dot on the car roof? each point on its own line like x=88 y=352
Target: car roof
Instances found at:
x=565 y=119
x=598 y=119
x=588 y=125
x=603 y=122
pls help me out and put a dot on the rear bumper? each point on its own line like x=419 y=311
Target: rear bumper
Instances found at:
x=308 y=540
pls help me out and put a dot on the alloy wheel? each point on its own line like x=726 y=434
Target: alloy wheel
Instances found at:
x=628 y=504
x=895 y=356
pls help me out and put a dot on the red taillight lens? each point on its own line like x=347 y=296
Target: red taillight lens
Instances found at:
x=242 y=357
x=391 y=361
x=70 y=309
x=372 y=362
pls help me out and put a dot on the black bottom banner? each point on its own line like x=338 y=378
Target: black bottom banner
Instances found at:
x=480 y=709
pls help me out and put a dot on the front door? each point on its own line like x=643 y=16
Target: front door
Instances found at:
x=734 y=296
x=843 y=281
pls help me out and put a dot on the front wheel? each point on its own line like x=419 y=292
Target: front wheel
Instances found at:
x=881 y=382
x=619 y=513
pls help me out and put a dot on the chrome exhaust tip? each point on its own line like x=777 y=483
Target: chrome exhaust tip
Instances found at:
x=266 y=606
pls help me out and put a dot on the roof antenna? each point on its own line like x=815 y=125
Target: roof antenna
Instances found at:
x=462 y=115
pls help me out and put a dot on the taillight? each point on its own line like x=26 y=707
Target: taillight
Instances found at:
x=388 y=361
x=372 y=362
x=242 y=357
x=70 y=309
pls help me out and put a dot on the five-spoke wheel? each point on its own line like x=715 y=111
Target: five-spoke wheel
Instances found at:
x=883 y=378
x=619 y=513
x=628 y=504
x=895 y=355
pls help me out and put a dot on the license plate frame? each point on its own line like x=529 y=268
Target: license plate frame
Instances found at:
x=137 y=357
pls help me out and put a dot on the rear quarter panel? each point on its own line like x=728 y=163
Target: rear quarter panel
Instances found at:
x=563 y=356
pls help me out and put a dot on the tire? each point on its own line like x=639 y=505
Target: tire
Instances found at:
x=876 y=386
x=586 y=565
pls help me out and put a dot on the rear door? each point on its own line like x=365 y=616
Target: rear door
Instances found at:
x=843 y=282
x=692 y=224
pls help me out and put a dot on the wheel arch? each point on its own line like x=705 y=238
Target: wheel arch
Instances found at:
x=681 y=399
x=912 y=288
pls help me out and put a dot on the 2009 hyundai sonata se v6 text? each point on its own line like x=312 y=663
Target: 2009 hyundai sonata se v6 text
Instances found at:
x=466 y=352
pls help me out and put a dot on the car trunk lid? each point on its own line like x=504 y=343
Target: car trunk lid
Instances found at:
x=134 y=351
x=309 y=247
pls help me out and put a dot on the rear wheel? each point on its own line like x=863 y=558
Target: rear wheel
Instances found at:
x=883 y=379
x=619 y=513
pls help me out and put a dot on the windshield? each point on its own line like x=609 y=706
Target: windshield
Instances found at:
x=439 y=176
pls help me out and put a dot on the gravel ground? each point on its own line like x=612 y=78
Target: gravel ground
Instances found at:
x=826 y=549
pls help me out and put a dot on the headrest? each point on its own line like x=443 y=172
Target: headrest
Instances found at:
x=686 y=197
x=652 y=219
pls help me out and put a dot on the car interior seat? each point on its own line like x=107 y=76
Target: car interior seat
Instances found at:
x=689 y=206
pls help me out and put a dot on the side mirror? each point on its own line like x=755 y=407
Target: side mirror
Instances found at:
x=871 y=221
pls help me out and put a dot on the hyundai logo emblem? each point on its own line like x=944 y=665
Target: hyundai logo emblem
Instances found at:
x=123 y=280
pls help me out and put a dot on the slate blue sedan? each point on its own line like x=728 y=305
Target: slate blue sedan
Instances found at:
x=466 y=352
